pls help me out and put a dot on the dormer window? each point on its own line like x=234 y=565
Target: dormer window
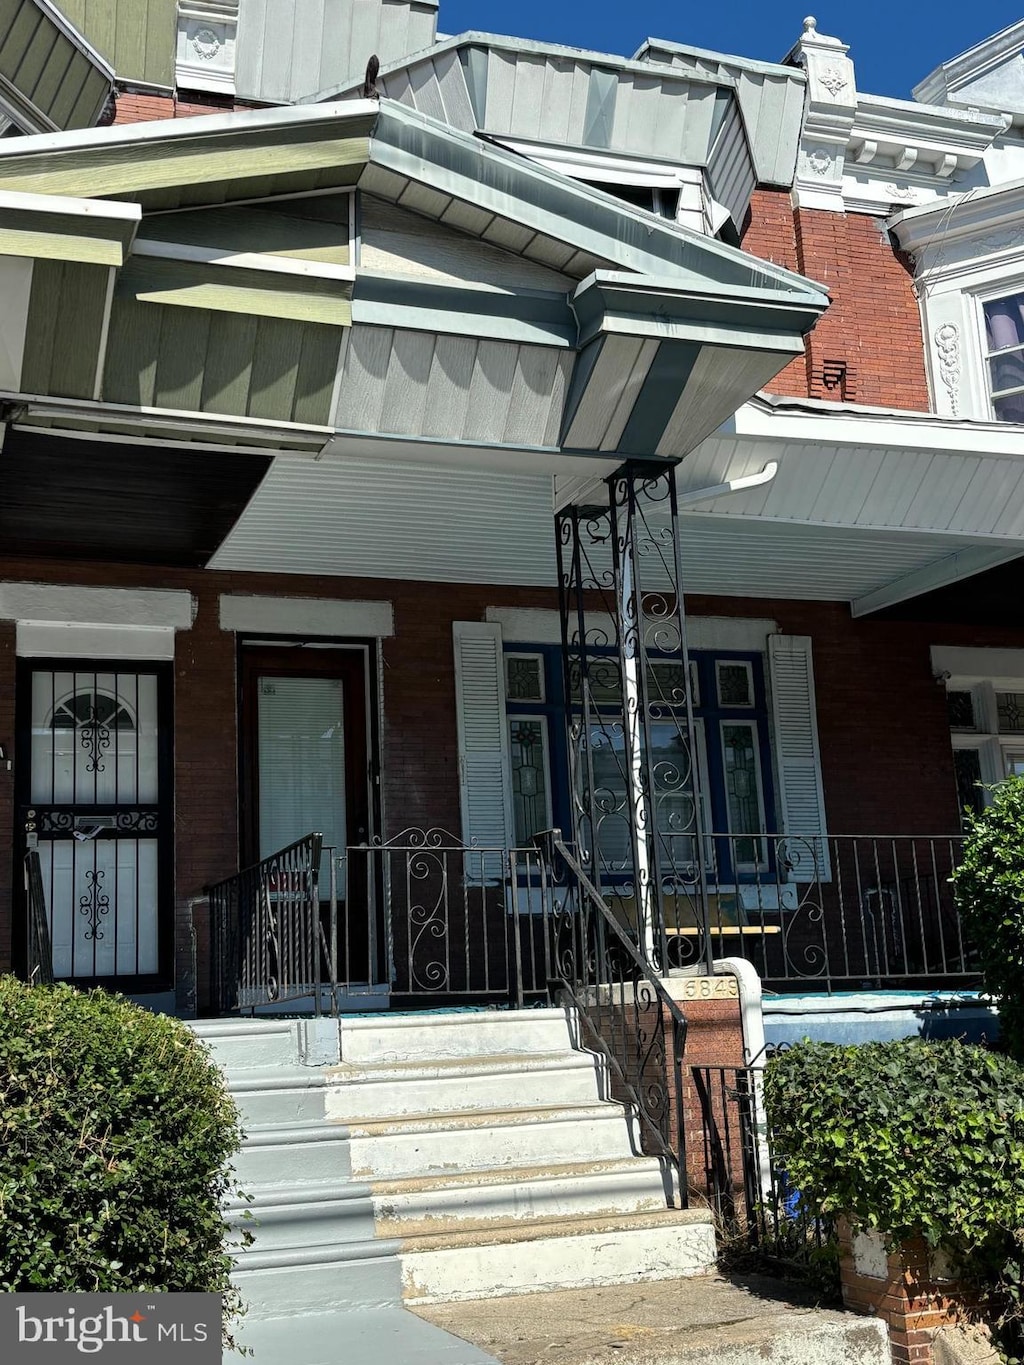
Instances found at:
x=1004 y=356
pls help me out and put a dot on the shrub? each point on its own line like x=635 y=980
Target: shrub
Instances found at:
x=989 y=889
x=913 y=1139
x=115 y=1131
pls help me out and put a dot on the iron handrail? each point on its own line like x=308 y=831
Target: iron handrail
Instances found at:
x=657 y=1101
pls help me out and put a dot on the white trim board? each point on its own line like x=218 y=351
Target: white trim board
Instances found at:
x=989 y=665
x=65 y=604
x=321 y=616
x=63 y=640
x=541 y=626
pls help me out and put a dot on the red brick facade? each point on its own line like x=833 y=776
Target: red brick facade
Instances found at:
x=909 y=1298
x=139 y=107
x=882 y=721
x=873 y=326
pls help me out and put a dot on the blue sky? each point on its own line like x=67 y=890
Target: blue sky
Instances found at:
x=893 y=44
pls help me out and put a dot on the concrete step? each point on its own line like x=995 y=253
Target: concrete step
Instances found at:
x=474 y=1033
x=244 y=1044
x=287 y=1281
x=303 y=1215
x=295 y=1152
x=473 y=1260
x=420 y=1145
x=462 y=1083
x=277 y=1095
x=370 y=1337
x=575 y=1189
x=700 y=1321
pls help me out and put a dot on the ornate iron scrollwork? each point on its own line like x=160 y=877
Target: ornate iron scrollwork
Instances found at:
x=95 y=903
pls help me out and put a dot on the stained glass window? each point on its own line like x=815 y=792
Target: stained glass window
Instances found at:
x=531 y=800
x=735 y=685
x=960 y=709
x=742 y=787
x=1010 y=709
x=967 y=767
x=524 y=677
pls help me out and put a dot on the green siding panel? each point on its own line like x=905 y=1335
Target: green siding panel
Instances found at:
x=137 y=37
x=47 y=69
x=231 y=289
x=220 y=363
x=20 y=23
x=289 y=229
x=65 y=323
x=212 y=168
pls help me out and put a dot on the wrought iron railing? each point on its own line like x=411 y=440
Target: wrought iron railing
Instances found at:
x=621 y=1008
x=424 y=916
x=739 y=1174
x=39 y=964
x=839 y=913
x=267 y=942
x=431 y=918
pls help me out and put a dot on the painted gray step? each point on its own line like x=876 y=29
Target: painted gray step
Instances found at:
x=424 y=1037
x=297 y=1153
x=244 y=1044
x=277 y=1096
x=453 y=1084
x=311 y=1215
x=473 y=1262
x=376 y=1337
x=484 y=1140
x=633 y=1185
x=284 y=1282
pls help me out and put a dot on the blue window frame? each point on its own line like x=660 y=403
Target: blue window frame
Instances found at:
x=734 y=763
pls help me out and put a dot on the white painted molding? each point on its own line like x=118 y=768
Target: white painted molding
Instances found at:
x=319 y=616
x=979 y=665
x=541 y=626
x=49 y=640
x=66 y=604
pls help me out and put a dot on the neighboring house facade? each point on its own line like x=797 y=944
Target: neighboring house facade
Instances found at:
x=337 y=434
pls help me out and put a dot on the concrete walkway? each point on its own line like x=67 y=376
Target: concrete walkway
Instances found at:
x=710 y=1319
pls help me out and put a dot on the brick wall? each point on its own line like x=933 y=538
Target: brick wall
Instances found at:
x=882 y=722
x=873 y=324
x=139 y=107
x=906 y=1294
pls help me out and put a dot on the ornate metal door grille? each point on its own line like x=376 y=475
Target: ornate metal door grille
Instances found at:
x=94 y=785
x=635 y=775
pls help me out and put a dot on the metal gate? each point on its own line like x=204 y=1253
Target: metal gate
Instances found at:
x=94 y=799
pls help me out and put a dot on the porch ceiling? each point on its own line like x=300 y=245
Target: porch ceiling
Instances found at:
x=66 y=498
x=952 y=488
x=351 y=515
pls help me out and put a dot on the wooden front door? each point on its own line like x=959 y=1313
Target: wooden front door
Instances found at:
x=95 y=797
x=305 y=769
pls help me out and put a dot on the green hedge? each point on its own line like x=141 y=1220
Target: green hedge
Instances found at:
x=913 y=1139
x=989 y=890
x=115 y=1131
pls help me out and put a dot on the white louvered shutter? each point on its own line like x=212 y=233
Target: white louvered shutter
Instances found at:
x=484 y=770
x=797 y=755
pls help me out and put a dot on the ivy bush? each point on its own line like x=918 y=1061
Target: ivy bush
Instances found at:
x=914 y=1139
x=989 y=890
x=115 y=1134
